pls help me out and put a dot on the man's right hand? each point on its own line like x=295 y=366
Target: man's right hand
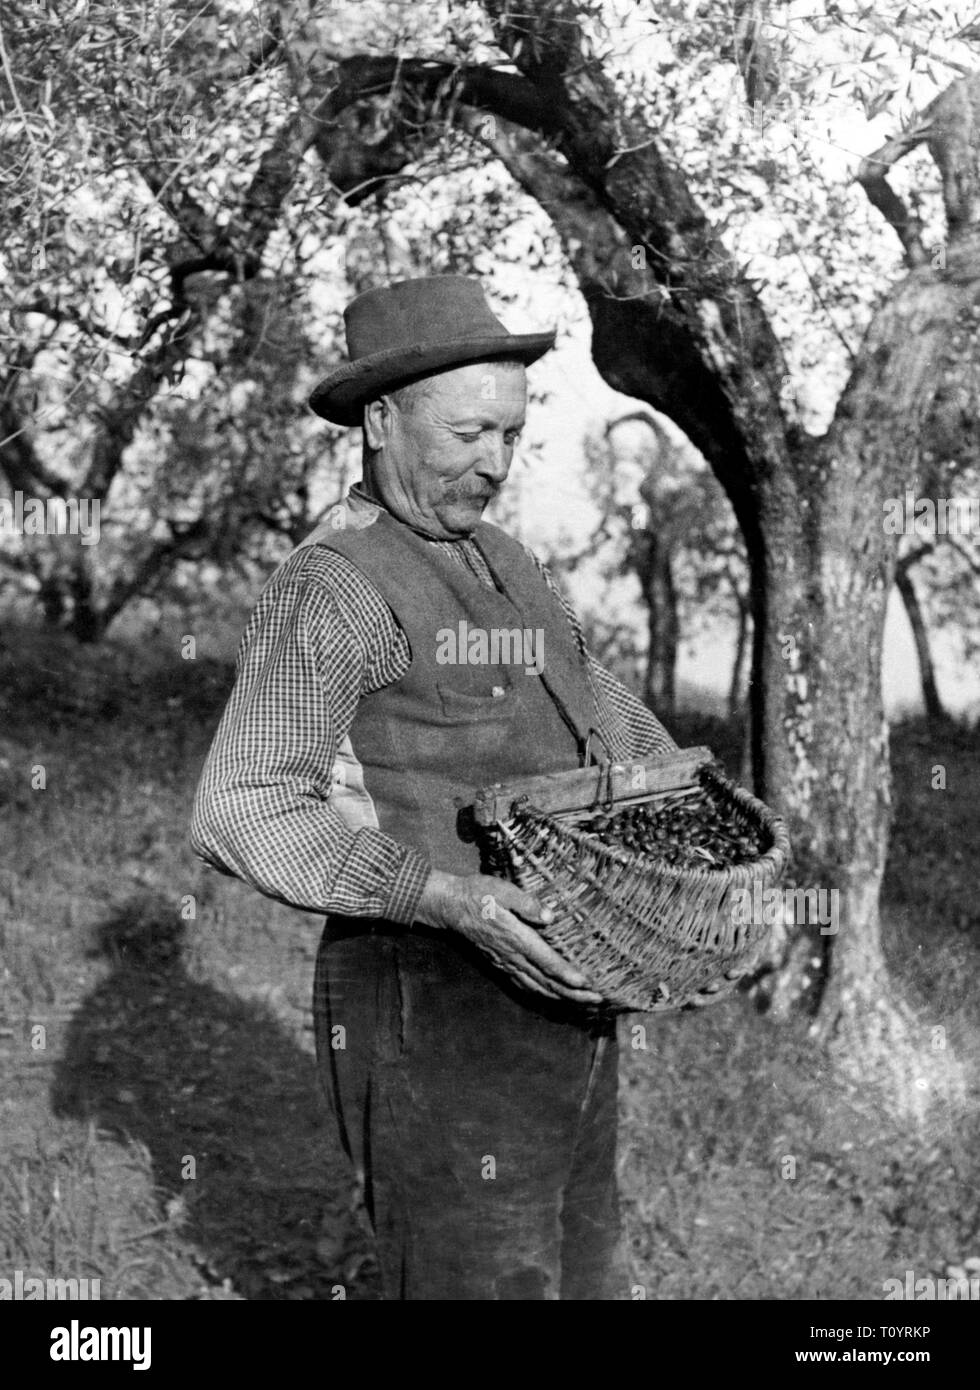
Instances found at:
x=494 y=915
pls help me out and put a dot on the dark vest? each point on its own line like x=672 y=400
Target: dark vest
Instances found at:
x=429 y=740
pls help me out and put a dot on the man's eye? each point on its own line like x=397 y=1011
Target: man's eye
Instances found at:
x=470 y=437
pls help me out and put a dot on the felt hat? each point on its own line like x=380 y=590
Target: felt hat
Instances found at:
x=412 y=329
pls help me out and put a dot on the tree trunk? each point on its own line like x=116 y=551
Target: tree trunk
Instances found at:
x=87 y=625
x=832 y=565
x=826 y=741
x=88 y=620
x=53 y=599
x=652 y=562
x=920 y=636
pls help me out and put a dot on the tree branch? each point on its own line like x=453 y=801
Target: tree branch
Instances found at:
x=871 y=176
x=644 y=418
x=950 y=126
x=723 y=334
x=912 y=557
x=235 y=251
x=179 y=544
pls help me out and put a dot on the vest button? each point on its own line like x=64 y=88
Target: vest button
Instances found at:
x=498 y=692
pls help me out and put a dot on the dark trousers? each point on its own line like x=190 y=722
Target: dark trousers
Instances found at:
x=483 y=1127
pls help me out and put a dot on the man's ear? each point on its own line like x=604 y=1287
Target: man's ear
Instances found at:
x=377 y=415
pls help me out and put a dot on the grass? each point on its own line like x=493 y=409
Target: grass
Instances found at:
x=162 y=1129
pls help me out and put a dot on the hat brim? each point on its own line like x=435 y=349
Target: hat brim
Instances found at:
x=341 y=396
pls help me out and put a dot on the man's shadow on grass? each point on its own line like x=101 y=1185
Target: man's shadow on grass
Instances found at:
x=230 y=1110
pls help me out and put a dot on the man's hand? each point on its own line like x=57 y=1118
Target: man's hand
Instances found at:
x=493 y=914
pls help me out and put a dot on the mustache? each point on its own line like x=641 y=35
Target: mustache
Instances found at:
x=457 y=493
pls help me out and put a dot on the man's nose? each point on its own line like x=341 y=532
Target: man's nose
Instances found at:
x=495 y=457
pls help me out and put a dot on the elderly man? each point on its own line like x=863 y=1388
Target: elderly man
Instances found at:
x=472 y=1078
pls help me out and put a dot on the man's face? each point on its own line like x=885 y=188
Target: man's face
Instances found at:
x=442 y=454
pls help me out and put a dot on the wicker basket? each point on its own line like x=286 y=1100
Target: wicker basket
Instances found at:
x=650 y=936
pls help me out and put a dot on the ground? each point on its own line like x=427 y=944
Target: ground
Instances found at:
x=162 y=1127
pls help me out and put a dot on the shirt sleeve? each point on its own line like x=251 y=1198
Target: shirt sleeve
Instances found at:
x=314 y=644
x=629 y=728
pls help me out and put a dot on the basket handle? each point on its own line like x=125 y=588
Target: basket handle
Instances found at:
x=587 y=755
x=605 y=768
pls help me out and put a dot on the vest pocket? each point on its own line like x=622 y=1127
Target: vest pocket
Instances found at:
x=494 y=701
